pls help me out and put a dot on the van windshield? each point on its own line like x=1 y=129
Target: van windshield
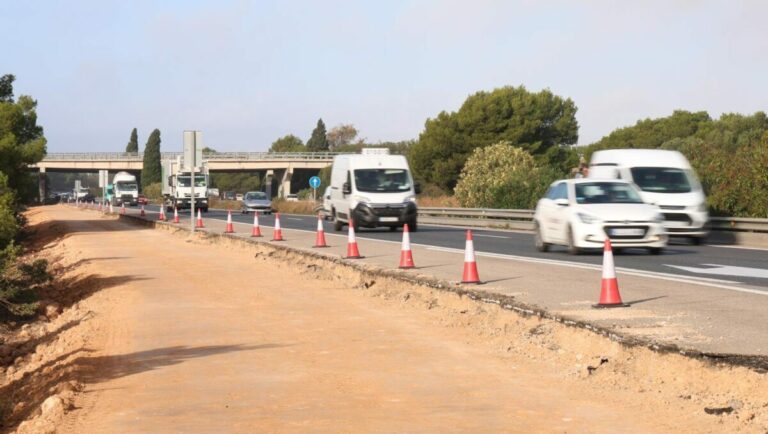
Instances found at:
x=662 y=179
x=382 y=180
x=606 y=192
x=127 y=186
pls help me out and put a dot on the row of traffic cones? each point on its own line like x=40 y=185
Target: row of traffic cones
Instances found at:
x=609 y=290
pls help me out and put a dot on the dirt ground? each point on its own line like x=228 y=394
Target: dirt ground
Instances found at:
x=161 y=333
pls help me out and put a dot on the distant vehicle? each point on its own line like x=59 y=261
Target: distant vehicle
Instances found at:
x=228 y=195
x=213 y=192
x=292 y=197
x=83 y=194
x=256 y=201
x=665 y=178
x=142 y=200
x=239 y=196
x=373 y=189
x=582 y=213
x=123 y=190
x=177 y=185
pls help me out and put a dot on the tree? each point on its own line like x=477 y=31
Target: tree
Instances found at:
x=502 y=176
x=341 y=135
x=150 y=173
x=318 y=142
x=207 y=150
x=21 y=140
x=532 y=121
x=288 y=143
x=133 y=144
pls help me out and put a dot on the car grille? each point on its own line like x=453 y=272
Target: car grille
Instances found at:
x=677 y=217
x=607 y=230
x=394 y=210
x=672 y=207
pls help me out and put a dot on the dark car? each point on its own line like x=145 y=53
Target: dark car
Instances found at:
x=142 y=200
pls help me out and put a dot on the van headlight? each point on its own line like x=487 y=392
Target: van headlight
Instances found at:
x=410 y=199
x=587 y=218
x=360 y=199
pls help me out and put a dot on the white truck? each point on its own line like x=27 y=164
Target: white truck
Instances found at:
x=177 y=185
x=125 y=189
x=373 y=189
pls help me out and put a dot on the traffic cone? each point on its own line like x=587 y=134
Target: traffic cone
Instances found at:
x=609 y=289
x=199 y=223
x=256 y=231
x=406 y=256
x=111 y=209
x=122 y=209
x=352 y=251
x=230 y=229
x=161 y=217
x=277 y=234
x=142 y=211
x=320 y=239
x=101 y=207
x=470 y=266
x=175 y=215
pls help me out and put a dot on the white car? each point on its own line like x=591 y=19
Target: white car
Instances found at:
x=582 y=213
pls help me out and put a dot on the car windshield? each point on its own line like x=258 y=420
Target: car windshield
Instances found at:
x=183 y=181
x=662 y=179
x=127 y=186
x=382 y=180
x=606 y=192
x=257 y=195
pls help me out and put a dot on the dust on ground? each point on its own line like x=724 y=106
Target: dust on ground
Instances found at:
x=258 y=339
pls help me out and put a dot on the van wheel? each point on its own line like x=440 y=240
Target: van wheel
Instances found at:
x=539 y=239
x=338 y=225
x=656 y=250
x=572 y=248
x=393 y=228
x=413 y=226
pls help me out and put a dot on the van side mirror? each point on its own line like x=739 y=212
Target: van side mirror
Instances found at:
x=561 y=202
x=346 y=189
x=417 y=188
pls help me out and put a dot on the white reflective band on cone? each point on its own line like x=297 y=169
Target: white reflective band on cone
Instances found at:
x=469 y=252
x=608 y=270
x=406 y=241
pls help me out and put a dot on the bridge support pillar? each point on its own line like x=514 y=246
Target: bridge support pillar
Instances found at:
x=41 y=185
x=268 y=183
x=285 y=182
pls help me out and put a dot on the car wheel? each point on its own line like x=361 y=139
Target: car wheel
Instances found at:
x=572 y=248
x=697 y=241
x=539 y=239
x=656 y=250
x=393 y=228
x=337 y=224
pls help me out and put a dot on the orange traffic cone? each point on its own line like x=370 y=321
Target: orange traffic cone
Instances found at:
x=352 y=251
x=161 y=216
x=111 y=210
x=199 y=223
x=175 y=215
x=256 y=231
x=122 y=209
x=142 y=211
x=470 y=266
x=230 y=229
x=277 y=235
x=609 y=289
x=406 y=256
x=320 y=238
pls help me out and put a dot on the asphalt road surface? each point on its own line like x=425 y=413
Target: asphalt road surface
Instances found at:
x=726 y=265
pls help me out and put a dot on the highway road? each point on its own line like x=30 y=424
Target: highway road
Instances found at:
x=731 y=267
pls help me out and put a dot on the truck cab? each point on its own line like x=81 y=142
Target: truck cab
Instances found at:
x=178 y=186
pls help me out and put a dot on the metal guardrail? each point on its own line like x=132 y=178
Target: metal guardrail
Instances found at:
x=523 y=219
x=139 y=156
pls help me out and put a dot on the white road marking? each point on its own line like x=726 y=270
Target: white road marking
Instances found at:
x=489 y=236
x=725 y=270
x=765 y=249
x=291 y=218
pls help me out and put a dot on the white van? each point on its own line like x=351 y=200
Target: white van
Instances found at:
x=373 y=189
x=666 y=179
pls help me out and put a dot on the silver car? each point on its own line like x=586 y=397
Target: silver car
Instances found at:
x=256 y=201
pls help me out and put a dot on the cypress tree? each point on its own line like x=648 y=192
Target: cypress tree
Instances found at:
x=319 y=141
x=150 y=173
x=133 y=144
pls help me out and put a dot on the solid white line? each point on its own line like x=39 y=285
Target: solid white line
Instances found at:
x=489 y=236
x=764 y=249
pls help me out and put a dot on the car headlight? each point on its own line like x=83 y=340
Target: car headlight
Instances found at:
x=410 y=199
x=586 y=218
x=702 y=207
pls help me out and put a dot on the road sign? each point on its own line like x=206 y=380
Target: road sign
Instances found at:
x=193 y=149
x=314 y=182
x=103 y=178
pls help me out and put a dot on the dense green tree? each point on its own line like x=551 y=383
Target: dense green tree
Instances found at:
x=341 y=135
x=239 y=182
x=288 y=143
x=133 y=143
x=532 y=121
x=319 y=141
x=207 y=150
x=150 y=173
x=21 y=139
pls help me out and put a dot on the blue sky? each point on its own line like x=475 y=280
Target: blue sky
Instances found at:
x=248 y=72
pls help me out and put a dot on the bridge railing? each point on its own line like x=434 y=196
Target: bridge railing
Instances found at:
x=139 y=156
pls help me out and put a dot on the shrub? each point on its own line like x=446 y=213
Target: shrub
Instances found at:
x=502 y=176
x=154 y=192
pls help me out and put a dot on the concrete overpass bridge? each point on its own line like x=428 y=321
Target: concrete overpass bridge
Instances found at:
x=276 y=166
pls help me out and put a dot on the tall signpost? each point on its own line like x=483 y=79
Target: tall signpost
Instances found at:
x=314 y=182
x=103 y=181
x=193 y=156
